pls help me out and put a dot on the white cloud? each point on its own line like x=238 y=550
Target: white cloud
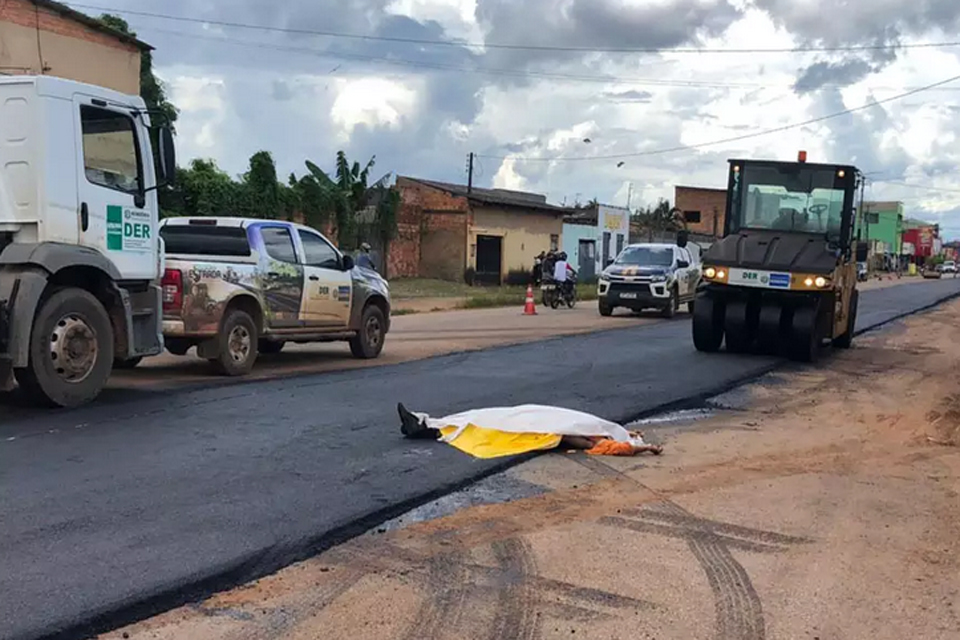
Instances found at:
x=374 y=102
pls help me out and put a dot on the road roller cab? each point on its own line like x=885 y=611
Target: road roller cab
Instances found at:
x=783 y=278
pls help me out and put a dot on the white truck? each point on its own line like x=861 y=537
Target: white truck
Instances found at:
x=80 y=256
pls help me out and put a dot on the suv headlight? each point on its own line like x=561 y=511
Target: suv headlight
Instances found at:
x=660 y=278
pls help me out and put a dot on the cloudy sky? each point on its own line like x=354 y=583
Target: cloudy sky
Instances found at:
x=523 y=83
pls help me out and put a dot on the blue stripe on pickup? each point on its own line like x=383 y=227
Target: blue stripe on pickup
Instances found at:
x=780 y=280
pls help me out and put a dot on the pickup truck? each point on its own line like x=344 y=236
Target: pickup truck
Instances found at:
x=237 y=287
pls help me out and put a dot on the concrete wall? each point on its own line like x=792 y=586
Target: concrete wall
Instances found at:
x=711 y=203
x=525 y=234
x=69 y=49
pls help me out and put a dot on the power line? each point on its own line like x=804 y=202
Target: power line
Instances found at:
x=917 y=186
x=745 y=136
x=507 y=46
x=597 y=79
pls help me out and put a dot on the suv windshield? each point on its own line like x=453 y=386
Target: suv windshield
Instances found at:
x=790 y=199
x=646 y=257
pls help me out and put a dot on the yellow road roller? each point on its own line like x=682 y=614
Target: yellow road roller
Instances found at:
x=783 y=279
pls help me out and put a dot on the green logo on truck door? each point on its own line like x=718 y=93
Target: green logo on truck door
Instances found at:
x=128 y=229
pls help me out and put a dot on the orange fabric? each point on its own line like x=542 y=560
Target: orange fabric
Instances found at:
x=608 y=447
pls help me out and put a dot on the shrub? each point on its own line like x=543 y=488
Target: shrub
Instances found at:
x=470 y=276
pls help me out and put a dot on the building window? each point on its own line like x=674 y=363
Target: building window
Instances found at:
x=872 y=217
x=554 y=242
x=692 y=217
x=111 y=157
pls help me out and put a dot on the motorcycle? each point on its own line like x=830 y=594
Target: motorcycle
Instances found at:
x=554 y=294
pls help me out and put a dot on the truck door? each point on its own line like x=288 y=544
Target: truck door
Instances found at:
x=684 y=264
x=328 y=289
x=113 y=214
x=282 y=276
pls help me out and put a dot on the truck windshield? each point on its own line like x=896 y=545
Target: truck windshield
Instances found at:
x=789 y=199
x=646 y=257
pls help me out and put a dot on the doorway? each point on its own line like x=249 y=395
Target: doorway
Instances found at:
x=587 y=252
x=489 y=259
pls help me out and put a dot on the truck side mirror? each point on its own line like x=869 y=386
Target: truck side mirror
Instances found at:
x=347 y=263
x=168 y=155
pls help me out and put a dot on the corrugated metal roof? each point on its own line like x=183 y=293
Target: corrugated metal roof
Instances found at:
x=504 y=197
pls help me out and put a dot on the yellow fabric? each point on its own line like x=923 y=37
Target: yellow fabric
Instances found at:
x=490 y=443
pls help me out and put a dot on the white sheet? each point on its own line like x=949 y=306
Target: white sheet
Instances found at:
x=533 y=418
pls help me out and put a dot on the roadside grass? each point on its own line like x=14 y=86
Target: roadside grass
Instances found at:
x=471 y=297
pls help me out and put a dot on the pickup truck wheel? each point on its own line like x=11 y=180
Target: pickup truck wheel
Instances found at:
x=269 y=347
x=673 y=305
x=70 y=351
x=238 y=344
x=130 y=363
x=368 y=343
x=606 y=309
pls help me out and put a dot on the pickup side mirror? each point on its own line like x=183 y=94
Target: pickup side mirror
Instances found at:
x=347 y=263
x=168 y=156
x=682 y=264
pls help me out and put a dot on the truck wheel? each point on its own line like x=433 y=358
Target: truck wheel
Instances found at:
x=606 y=310
x=237 y=344
x=71 y=350
x=368 y=343
x=845 y=341
x=708 y=324
x=130 y=363
x=670 y=310
x=269 y=347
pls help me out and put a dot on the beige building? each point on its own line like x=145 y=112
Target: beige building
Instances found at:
x=40 y=37
x=703 y=209
x=446 y=230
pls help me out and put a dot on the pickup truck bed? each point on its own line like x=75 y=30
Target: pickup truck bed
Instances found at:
x=236 y=287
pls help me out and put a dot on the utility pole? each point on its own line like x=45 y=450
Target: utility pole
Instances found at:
x=470 y=173
x=629 y=195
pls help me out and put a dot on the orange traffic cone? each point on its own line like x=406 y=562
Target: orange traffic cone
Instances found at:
x=529 y=306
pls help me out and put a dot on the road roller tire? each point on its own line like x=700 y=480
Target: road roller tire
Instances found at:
x=845 y=340
x=805 y=335
x=707 y=324
x=740 y=326
x=773 y=327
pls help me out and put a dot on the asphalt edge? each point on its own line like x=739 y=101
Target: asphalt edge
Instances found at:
x=263 y=563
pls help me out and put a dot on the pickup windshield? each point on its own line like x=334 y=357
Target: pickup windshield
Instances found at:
x=205 y=240
x=646 y=257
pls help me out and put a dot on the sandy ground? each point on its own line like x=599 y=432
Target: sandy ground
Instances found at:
x=821 y=504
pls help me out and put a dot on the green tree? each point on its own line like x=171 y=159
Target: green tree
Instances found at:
x=151 y=88
x=261 y=191
x=202 y=189
x=657 y=220
x=346 y=195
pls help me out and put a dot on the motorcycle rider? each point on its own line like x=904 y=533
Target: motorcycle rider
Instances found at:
x=562 y=272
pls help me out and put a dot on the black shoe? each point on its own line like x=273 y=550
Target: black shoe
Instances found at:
x=411 y=426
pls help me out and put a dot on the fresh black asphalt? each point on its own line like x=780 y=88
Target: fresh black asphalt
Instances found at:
x=117 y=510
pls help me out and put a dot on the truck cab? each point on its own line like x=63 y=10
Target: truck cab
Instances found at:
x=80 y=257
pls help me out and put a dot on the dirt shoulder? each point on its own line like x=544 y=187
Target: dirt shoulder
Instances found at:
x=822 y=503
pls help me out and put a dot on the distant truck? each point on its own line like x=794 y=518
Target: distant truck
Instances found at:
x=238 y=287
x=80 y=259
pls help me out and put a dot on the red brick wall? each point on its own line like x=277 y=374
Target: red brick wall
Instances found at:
x=429 y=219
x=24 y=13
x=711 y=204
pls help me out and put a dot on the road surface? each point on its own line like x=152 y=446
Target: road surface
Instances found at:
x=110 y=512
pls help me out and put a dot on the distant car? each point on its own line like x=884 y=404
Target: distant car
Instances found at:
x=930 y=271
x=948 y=267
x=650 y=276
x=862 y=271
